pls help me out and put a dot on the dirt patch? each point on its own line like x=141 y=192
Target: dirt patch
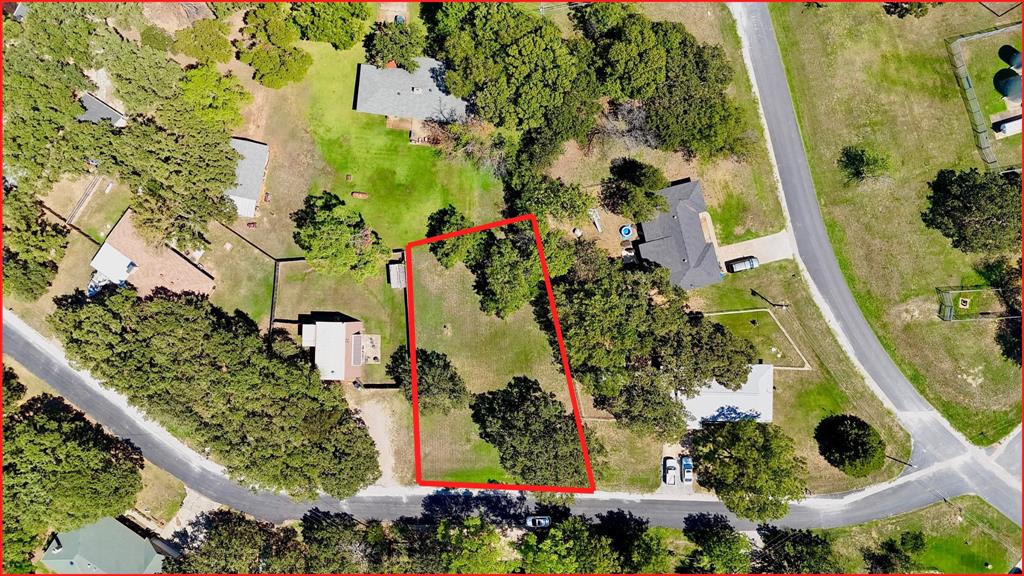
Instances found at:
x=378 y=412
x=105 y=88
x=387 y=11
x=919 y=309
x=174 y=16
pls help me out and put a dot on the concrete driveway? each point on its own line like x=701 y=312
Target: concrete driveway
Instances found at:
x=766 y=249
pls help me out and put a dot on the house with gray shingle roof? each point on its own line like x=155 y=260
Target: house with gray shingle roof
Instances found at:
x=249 y=175
x=676 y=239
x=97 y=110
x=106 y=547
x=398 y=93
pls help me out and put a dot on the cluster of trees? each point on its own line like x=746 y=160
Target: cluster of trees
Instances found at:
x=632 y=341
x=252 y=400
x=61 y=472
x=439 y=386
x=398 y=42
x=1005 y=275
x=850 y=444
x=336 y=239
x=631 y=191
x=33 y=245
x=903 y=9
x=272 y=30
x=205 y=40
x=470 y=536
x=978 y=211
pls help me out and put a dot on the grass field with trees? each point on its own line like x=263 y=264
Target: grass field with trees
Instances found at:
x=858 y=75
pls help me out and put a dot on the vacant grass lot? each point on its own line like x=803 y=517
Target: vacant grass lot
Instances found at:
x=764 y=332
x=983 y=63
x=406 y=183
x=487 y=351
x=803 y=398
x=244 y=275
x=741 y=193
x=960 y=536
x=859 y=75
x=161 y=495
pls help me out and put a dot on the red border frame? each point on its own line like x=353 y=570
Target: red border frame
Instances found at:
x=410 y=308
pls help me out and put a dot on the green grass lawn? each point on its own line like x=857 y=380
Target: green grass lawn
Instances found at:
x=803 y=398
x=961 y=536
x=487 y=351
x=764 y=332
x=859 y=75
x=983 y=63
x=405 y=183
x=633 y=462
x=103 y=211
x=244 y=275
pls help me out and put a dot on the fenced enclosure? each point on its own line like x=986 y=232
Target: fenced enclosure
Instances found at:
x=972 y=303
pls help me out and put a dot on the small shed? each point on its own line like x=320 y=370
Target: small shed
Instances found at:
x=396 y=275
x=250 y=173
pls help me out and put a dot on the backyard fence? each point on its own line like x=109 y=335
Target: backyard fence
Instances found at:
x=980 y=125
x=972 y=303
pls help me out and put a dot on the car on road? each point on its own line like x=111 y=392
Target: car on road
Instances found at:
x=670 y=471
x=687 y=463
x=538 y=521
x=741 y=264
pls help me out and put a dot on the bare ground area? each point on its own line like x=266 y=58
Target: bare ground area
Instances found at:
x=388 y=420
x=173 y=16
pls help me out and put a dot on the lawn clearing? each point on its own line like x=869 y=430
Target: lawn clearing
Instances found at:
x=74 y=272
x=104 y=209
x=633 y=462
x=758 y=326
x=859 y=75
x=161 y=495
x=405 y=183
x=380 y=307
x=832 y=386
x=244 y=275
x=960 y=537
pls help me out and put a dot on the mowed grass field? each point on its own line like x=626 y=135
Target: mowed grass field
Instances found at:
x=832 y=386
x=244 y=275
x=960 y=537
x=983 y=63
x=765 y=333
x=858 y=75
x=488 y=353
x=741 y=193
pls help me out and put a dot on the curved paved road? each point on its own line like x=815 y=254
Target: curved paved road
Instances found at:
x=995 y=477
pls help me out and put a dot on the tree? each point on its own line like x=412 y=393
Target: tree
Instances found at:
x=751 y=466
x=531 y=191
x=472 y=547
x=14 y=390
x=32 y=245
x=570 y=547
x=513 y=66
x=632 y=190
x=639 y=549
x=61 y=472
x=339 y=23
x=270 y=35
x=791 y=551
x=225 y=9
x=720 y=549
x=536 y=440
x=896 y=555
x=156 y=38
x=207 y=100
x=254 y=401
x=399 y=42
x=645 y=405
x=506 y=280
x=860 y=162
x=143 y=77
x=850 y=444
x=232 y=543
x=903 y=9
x=439 y=386
x=340 y=544
x=700 y=351
x=454 y=250
x=337 y=240
x=204 y=40
x=977 y=211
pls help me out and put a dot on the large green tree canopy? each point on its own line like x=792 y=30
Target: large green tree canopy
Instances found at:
x=215 y=379
x=752 y=467
x=339 y=23
x=61 y=472
x=32 y=245
x=438 y=385
x=337 y=240
x=513 y=66
x=977 y=211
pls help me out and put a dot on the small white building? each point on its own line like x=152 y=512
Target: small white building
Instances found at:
x=250 y=173
x=341 y=349
x=754 y=400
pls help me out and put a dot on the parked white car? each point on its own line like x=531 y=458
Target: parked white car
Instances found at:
x=670 y=471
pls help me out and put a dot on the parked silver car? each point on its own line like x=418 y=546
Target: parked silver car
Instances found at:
x=670 y=471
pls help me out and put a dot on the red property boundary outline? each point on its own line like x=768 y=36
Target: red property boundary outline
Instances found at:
x=410 y=307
